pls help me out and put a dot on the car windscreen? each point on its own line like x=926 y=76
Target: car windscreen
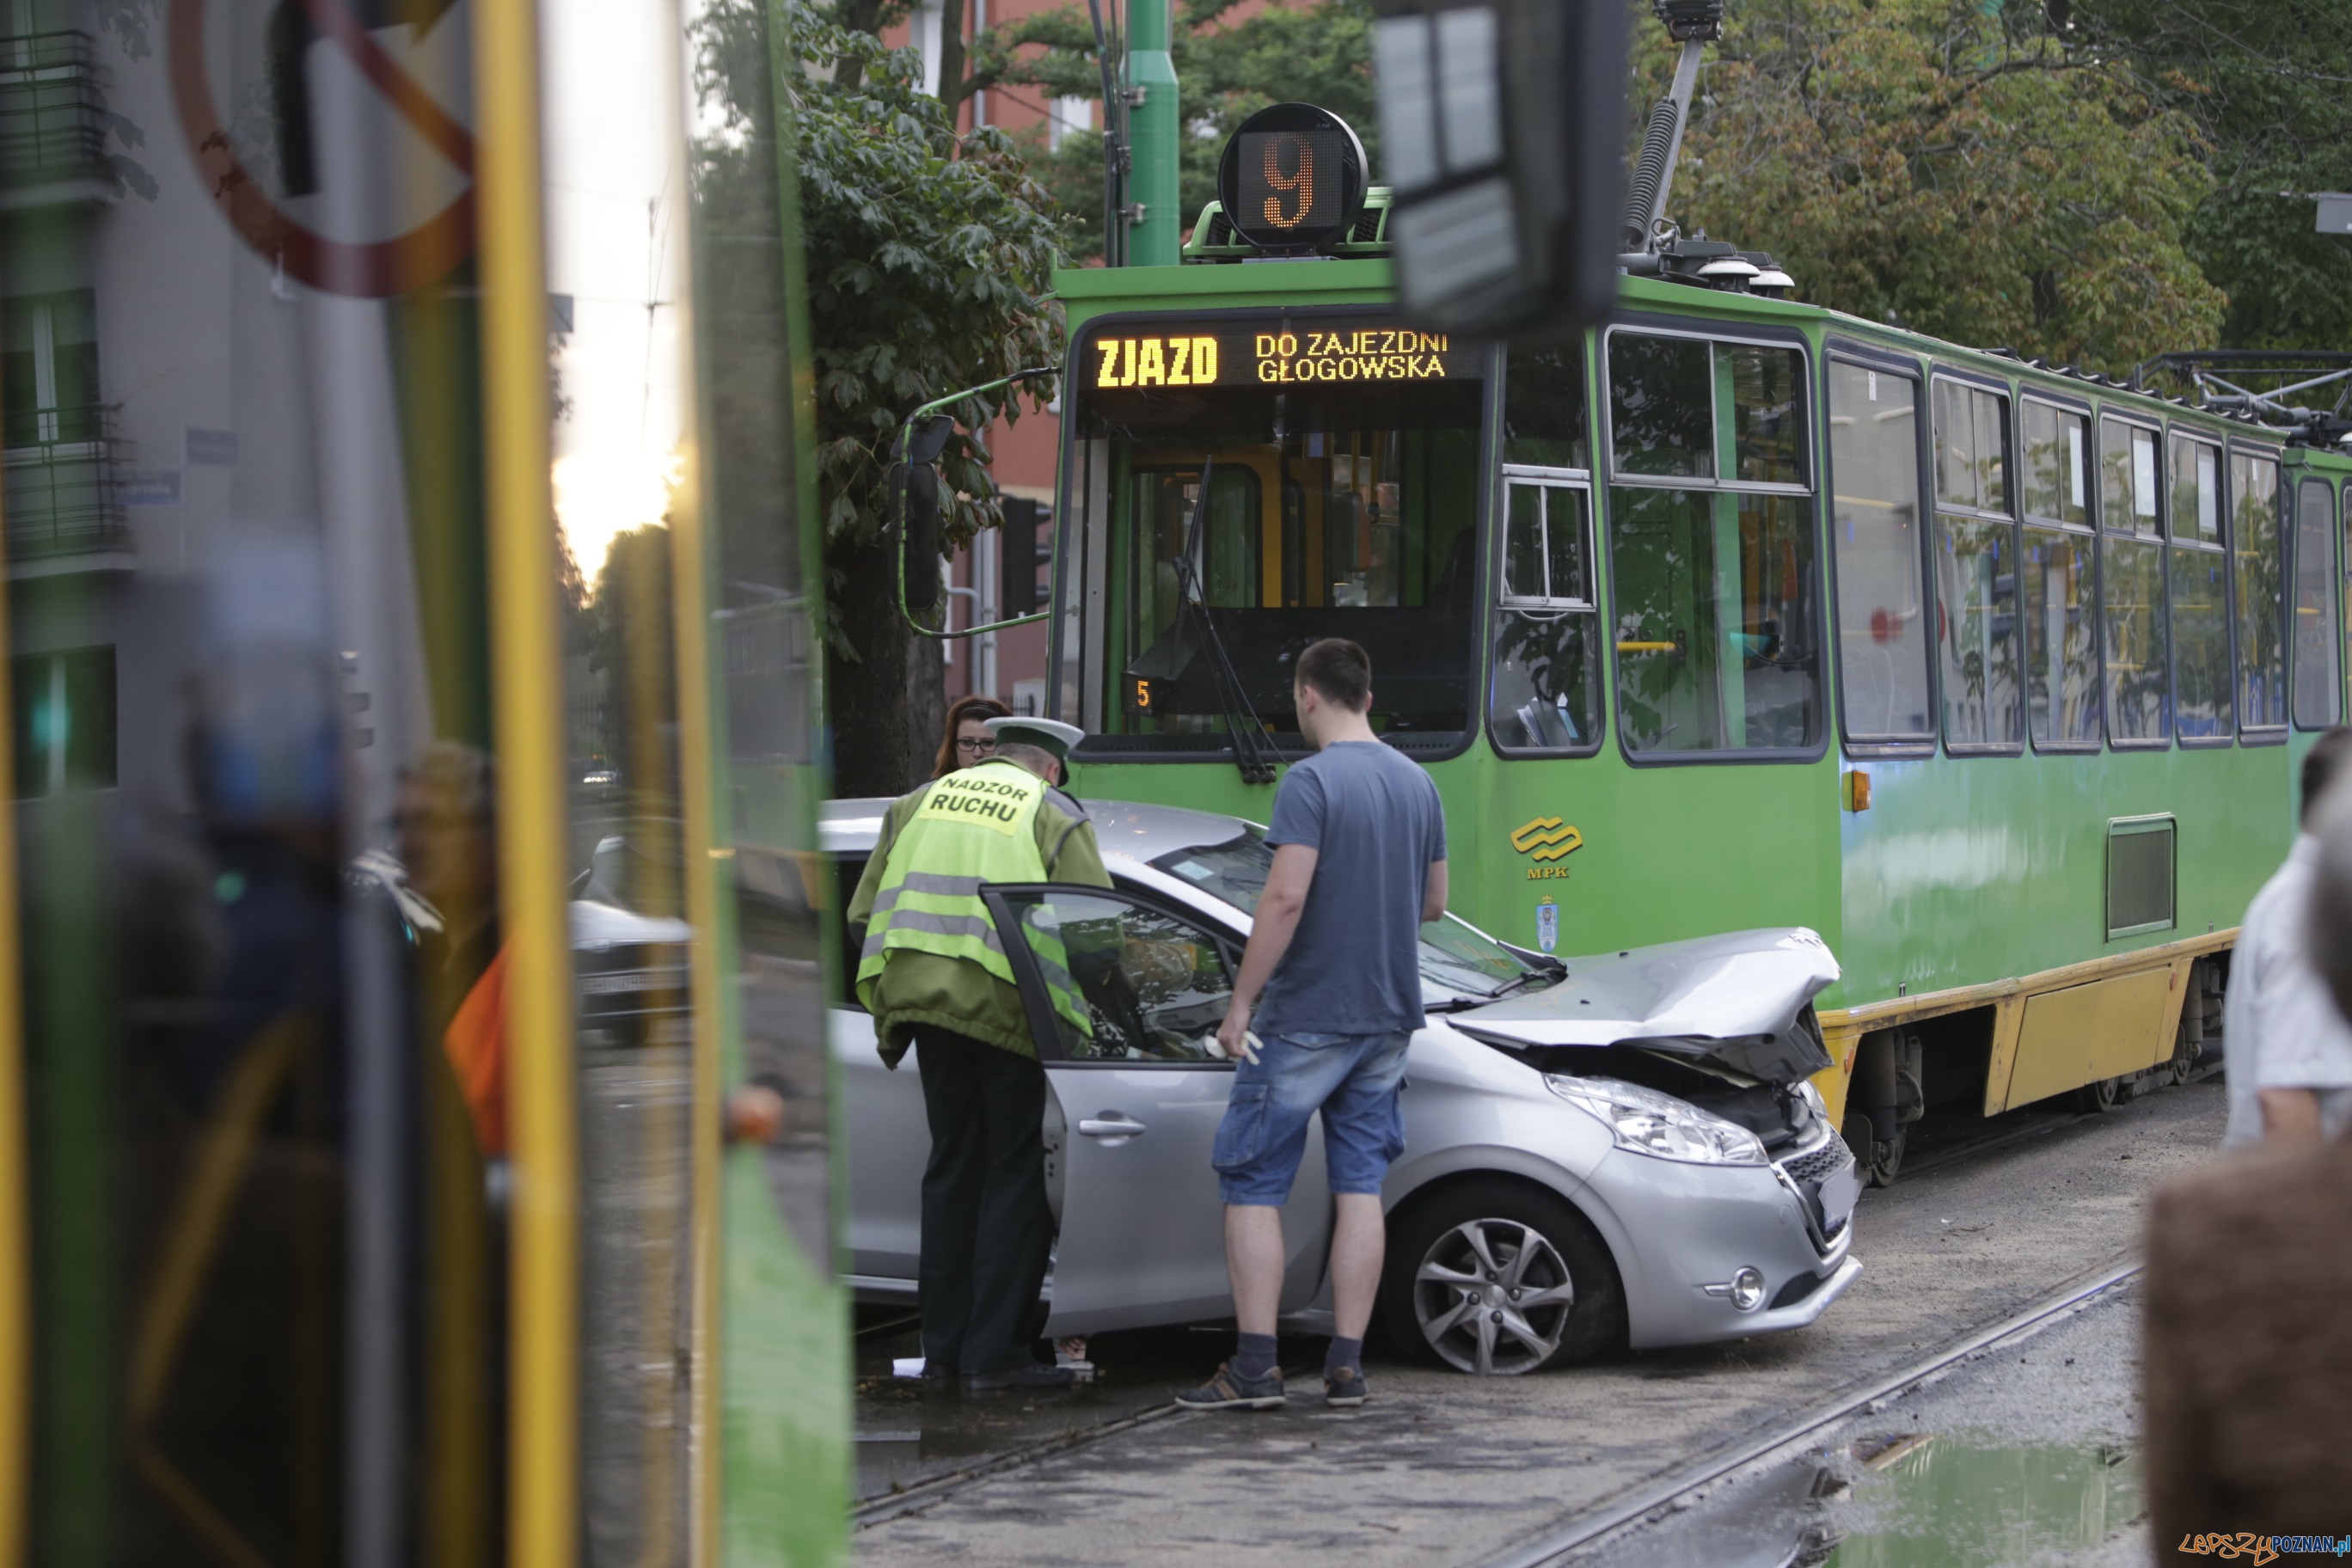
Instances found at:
x=1456 y=957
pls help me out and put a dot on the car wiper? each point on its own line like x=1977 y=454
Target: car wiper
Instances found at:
x=1510 y=987
x=1518 y=983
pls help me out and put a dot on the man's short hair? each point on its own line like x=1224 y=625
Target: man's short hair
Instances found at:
x=1036 y=759
x=1341 y=670
x=2322 y=764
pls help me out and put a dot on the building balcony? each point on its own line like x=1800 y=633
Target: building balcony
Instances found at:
x=63 y=488
x=52 y=122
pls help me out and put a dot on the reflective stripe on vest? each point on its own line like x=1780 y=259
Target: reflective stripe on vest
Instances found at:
x=974 y=827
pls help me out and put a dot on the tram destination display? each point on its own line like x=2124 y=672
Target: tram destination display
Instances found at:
x=1292 y=179
x=1268 y=352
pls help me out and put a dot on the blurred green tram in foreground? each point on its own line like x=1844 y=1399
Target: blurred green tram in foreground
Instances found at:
x=388 y=913
x=1735 y=612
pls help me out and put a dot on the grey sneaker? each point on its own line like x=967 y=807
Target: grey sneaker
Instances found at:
x=1229 y=1390
x=1344 y=1386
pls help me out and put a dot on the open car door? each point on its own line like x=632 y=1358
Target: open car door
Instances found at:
x=1125 y=994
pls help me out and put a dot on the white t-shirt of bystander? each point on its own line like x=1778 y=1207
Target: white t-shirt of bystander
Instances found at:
x=2280 y=1027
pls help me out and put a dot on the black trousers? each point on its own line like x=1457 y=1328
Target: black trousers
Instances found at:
x=987 y=1230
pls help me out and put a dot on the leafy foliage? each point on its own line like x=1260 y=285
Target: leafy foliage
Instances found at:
x=1318 y=53
x=929 y=258
x=2265 y=85
x=1918 y=162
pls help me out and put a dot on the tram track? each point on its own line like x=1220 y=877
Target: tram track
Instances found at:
x=1559 y=1545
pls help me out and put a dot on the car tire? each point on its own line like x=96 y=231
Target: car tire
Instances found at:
x=1537 y=1243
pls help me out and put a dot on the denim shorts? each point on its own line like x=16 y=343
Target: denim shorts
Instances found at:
x=1352 y=1078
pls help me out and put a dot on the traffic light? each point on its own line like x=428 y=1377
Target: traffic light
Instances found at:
x=1501 y=132
x=1016 y=556
x=914 y=483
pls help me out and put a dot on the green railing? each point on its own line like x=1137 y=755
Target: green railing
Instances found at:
x=52 y=124
x=63 y=495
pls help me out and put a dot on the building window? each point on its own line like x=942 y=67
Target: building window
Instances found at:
x=64 y=720
x=48 y=376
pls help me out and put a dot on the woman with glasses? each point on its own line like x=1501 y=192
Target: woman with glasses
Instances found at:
x=967 y=740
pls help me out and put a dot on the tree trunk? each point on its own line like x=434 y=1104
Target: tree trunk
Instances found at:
x=888 y=704
x=951 y=83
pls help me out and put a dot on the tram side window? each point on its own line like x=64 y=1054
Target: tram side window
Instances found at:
x=2254 y=541
x=1975 y=568
x=1544 y=422
x=2139 y=672
x=1547 y=683
x=1713 y=578
x=1883 y=632
x=2318 y=691
x=2061 y=655
x=2200 y=586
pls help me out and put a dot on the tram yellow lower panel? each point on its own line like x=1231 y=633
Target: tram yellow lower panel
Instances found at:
x=2085 y=1033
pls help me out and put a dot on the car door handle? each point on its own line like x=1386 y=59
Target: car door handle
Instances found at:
x=1111 y=1124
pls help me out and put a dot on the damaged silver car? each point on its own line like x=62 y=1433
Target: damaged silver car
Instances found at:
x=1622 y=1148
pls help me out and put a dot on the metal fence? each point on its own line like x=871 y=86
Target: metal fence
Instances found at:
x=52 y=126
x=63 y=495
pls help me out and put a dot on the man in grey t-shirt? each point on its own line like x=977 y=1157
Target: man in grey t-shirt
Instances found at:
x=1333 y=972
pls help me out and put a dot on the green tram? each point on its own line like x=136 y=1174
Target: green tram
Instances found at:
x=414 y=1115
x=1735 y=612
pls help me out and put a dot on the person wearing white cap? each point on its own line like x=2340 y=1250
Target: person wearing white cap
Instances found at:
x=932 y=971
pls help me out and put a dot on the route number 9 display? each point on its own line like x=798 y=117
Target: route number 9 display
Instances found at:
x=1292 y=179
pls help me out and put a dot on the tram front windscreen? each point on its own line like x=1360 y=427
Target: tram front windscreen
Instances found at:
x=1293 y=478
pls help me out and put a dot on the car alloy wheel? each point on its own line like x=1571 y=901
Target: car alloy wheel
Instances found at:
x=1493 y=1297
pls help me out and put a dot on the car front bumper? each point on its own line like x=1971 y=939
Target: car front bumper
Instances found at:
x=1681 y=1233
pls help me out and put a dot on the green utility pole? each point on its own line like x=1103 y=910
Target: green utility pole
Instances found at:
x=1155 y=225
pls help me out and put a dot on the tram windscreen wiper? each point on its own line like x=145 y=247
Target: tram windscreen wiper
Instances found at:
x=1254 y=753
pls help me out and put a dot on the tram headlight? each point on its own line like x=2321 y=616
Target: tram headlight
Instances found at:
x=1648 y=1122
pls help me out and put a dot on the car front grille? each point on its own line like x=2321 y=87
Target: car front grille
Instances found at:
x=1814 y=1166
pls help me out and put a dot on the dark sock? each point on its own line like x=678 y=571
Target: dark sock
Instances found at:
x=1343 y=1352
x=1254 y=1357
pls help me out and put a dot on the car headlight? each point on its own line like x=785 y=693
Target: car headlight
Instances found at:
x=1813 y=1096
x=1649 y=1123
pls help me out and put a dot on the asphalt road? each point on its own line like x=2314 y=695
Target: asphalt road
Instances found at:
x=1467 y=1469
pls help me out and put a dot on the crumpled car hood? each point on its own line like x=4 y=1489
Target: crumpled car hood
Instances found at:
x=1734 y=1000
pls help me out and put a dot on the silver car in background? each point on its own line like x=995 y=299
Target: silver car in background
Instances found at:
x=1615 y=1149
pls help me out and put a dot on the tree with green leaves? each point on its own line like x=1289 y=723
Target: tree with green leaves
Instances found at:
x=930 y=256
x=2265 y=85
x=1226 y=71
x=1922 y=161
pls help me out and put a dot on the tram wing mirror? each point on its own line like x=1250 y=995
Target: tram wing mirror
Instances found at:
x=915 y=497
x=1501 y=128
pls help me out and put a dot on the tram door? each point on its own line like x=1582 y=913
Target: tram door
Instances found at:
x=409 y=718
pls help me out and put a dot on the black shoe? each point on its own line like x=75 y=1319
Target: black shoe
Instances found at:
x=1344 y=1386
x=1028 y=1374
x=1229 y=1390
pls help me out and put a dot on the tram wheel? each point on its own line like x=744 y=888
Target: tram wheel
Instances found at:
x=1887 y=1156
x=2097 y=1099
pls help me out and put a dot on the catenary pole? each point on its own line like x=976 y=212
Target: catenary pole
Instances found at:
x=1155 y=226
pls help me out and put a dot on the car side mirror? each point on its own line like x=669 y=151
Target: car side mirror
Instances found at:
x=915 y=497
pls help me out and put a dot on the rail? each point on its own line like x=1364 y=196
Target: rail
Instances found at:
x=52 y=123
x=63 y=490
